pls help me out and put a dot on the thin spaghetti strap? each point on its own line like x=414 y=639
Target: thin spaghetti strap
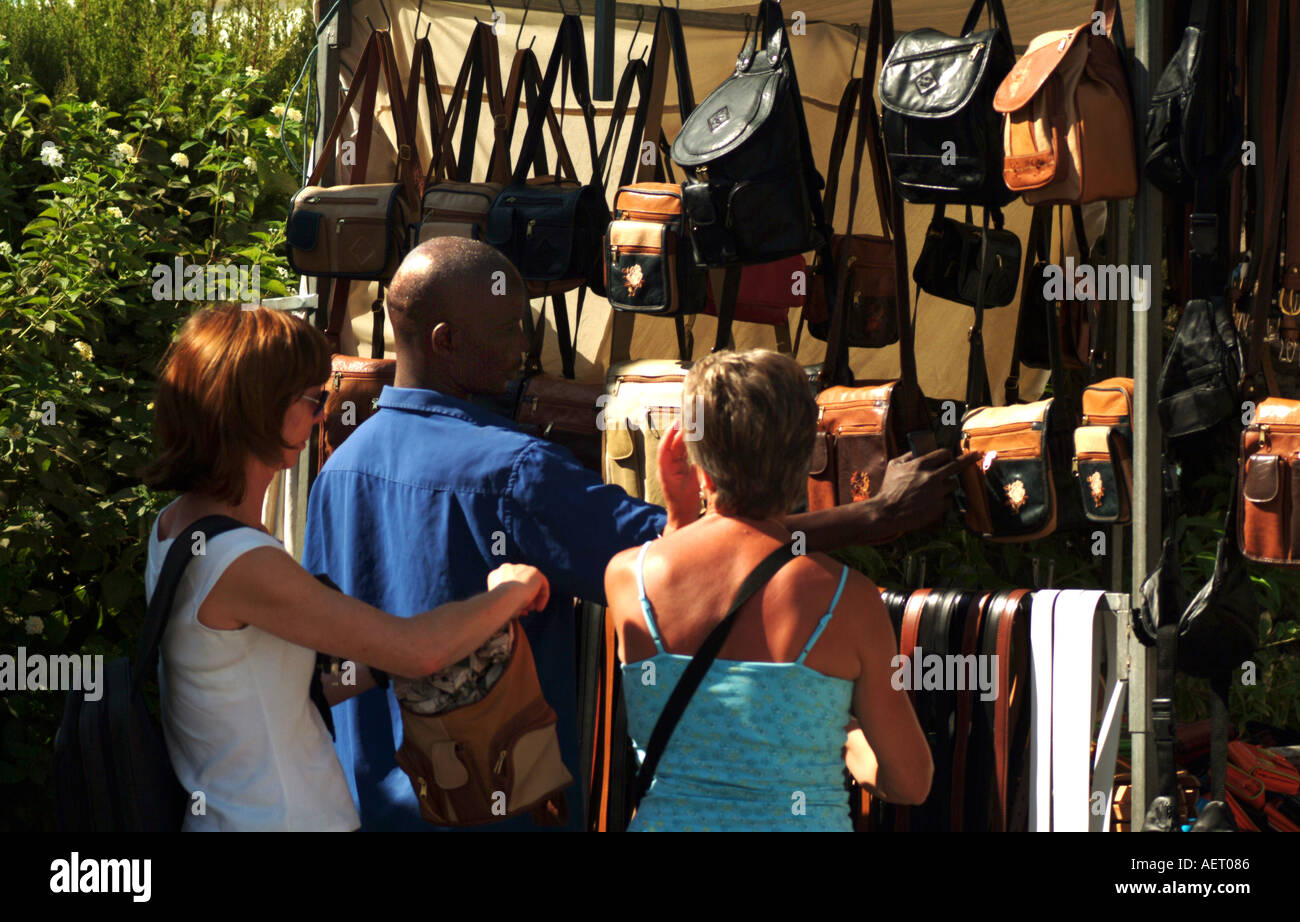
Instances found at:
x=645 y=603
x=826 y=618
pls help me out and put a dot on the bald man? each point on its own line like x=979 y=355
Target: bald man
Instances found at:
x=432 y=493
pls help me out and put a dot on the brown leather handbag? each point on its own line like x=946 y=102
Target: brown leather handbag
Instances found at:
x=492 y=759
x=869 y=270
x=861 y=425
x=1269 y=514
x=1068 y=134
x=359 y=230
x=352 y=393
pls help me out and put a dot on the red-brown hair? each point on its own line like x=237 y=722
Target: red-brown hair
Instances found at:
x=223 y=389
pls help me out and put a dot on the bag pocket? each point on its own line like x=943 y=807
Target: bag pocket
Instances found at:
x=1267 y=531
x=640 y=267
x=861 y=455
x=1100 y=474
x=1020 y=495
x=770 y=217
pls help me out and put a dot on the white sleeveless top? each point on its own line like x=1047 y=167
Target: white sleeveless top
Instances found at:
x=237 y=714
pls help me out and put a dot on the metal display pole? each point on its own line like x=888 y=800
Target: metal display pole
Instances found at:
x=1147 y=456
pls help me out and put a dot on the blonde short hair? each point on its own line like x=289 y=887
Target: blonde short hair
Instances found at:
x=756 y=419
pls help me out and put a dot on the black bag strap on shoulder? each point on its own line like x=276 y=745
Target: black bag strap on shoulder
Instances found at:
x=699 y=666
x=164 y=593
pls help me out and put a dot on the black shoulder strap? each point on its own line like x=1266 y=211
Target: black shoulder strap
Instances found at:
x=164 y=593
x=699 y=665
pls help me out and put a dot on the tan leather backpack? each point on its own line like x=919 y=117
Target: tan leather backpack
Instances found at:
x=1068 y=134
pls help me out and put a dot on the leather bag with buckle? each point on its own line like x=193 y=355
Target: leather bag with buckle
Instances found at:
x=1069 y=116
x=459 y=762
x=752 y=192
x=943 y=138
x=551 y=228
x=358 y=230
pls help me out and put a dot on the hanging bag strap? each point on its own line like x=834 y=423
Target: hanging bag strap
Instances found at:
x=1037 y=248
x=424 y=74
x=178 y=558
x=569 y=53
x=699 y=666
x=995 y=8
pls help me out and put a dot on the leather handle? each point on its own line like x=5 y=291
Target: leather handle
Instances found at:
x=999 y=16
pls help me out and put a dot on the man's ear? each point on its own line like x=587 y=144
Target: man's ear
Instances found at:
x=442 y=339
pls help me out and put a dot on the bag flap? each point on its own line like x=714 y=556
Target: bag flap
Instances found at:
x=1277 y=411
x=448 y=771
x=647 y=234
x=551 y=203
x=1111 y=397
x=728 y=117
x=669 y=369
x=368 y=200
x=1262 y=478
x=820 y=454
x=932 y=75
x=461 y=196
x=1040 y=60
x=659 y=198
x=876 y=392
x=1092 y=440
x=619 y=444
x=1020 y=415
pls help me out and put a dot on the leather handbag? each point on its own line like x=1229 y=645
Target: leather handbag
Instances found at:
x=359 y=230
x=552 y=228
x=861 y=425
x=649 y=266
x=943 y=138
x=355 y=383
x=642 y=401
x=1068 y=135
x=752 y=187
x=767 y=293
x=1269 y=519
x=1026 y=448
x=454 y=205
x=1103 y=451
x=492 y=759
x=954 y=257
x=868 y=271
x=1219 y=629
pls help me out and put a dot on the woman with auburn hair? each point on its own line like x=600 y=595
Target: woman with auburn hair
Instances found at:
x=809 y=656
x=237 y=398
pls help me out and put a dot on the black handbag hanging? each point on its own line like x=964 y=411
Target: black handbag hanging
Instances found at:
x=949 y=264
x=752 y=192
x=943 y=137
x=552 y=230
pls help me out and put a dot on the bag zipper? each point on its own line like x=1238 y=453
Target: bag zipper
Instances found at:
x=312 y=200
x=858 y=429
x=971 y=54
x=473 y=217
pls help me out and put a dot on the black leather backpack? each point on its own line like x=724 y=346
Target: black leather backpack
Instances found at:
x=942 y=135
x=752 y=195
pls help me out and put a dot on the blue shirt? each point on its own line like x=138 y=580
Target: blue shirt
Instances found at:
x=407 y=514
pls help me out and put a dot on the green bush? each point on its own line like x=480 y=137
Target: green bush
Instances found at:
x=94 y=195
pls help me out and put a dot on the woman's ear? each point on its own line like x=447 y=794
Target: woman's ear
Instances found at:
x=706 y=482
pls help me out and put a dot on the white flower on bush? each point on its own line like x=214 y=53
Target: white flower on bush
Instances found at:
x=113 y=132
x=250 y=163
x=77 y=376
x=273 y=131
x=252 y=72
x=6 y=248
x=69 y=180
x=114 y=212
x=181 y=160
x=282 y=272
x=122 y=153
x=294 y=115
x=34 y=625
x=83 y=349
x=277 y=110
x=50 y=155
x=224 y=37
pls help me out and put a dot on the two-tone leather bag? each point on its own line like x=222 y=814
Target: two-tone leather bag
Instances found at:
x=649 y=266
x=1269 y=516
x=752 y=187
x=954 y=256
x=359 y=230
x=642 y=401
x=552 y=228
x=943 y=138
x=868 y=272
x=1103 y=451
x=1068 y=136
x=492 y=759
x=1017 y=489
